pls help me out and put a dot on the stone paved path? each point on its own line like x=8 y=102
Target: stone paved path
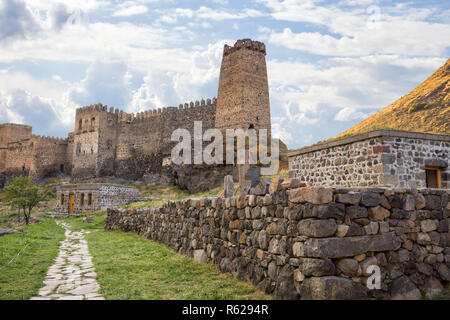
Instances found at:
x=72 y=277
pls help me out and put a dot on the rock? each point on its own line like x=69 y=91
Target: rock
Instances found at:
x=342 y=230
x=298 y=249
x=381 y=259
x=263 y=239
x=298 y=275
x=350 y=246
x=295 y=195
x=378 y=213
x=403 y=255
x=290 y=183
x=316 y=267
x=366 y=263
x=317 y=228
x=262 y=188
x=200 y=256
x=404 y=289
x=272 y=270
x=5 y=232
x=228 y=186
x=372 y=228
x=433 y=202
x=384 y=226
x=433 y=287
x=348 y=267
x=436 y=163
x=326 y=211
x=370 y=199
x=272 y=228
x=420 y=201
x=276 y=185
x=318 y=195
x=444 y=271
x=429 y=225
x=260 y=254
x=409 y=202
x=277 y=246
x=285 y=288
x=349 y=198
x=331 y=288
x=355 y=212
x=360 y=257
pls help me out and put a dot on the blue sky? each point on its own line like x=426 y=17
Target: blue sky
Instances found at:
x=330 y=63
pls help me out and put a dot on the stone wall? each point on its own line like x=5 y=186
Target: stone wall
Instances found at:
x=348 y=165
x=312 y=243
x=405 y=159
x=114 y=196
x=380 y=158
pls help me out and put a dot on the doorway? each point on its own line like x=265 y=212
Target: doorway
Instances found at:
x=71 y=203
x=432 y=177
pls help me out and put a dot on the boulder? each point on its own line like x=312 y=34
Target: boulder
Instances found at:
x=331 y=288
x=378 y=213
x=433 y=287
x=404 y=289
x=317 y=228
x=350 y=246
x=276 y=185
x=316 y=267
x=349 y=198
x=348 y=267
x=200 y=256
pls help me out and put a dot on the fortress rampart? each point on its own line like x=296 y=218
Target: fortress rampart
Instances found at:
x=107 y=141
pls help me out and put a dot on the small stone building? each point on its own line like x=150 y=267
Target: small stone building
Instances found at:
x=75 y=199
x=387 y=158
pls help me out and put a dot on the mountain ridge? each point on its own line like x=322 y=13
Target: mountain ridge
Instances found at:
x=425 y=109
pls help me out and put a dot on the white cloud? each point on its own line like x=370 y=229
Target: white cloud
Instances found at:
x=195 y=80
x=16 y=20
x=206 y=13
x=348 y=114
x=360 y=31
x=20 y=106
x=105 y=82
x=130 y=11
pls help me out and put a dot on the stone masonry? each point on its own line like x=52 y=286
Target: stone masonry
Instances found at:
x=312 y=242
x=379 y=158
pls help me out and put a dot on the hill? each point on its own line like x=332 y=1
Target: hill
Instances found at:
x=425 y=109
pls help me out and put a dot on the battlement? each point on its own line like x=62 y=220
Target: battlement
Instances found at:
x=245 y=44
x=191 y=106
x=48 y=139
x=14 y=125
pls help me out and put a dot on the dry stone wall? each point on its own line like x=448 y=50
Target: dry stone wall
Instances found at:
x=312 y=243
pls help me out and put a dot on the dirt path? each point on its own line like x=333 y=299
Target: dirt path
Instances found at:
x=72 y=276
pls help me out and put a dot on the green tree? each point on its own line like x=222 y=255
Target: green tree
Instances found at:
x=25 y=195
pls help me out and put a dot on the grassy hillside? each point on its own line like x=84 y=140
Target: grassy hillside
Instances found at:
x=425 y=109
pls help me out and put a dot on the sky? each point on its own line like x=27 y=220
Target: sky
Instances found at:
x=330 y=63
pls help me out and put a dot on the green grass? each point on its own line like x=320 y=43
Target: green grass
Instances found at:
x=130 y=267
x=25 y=258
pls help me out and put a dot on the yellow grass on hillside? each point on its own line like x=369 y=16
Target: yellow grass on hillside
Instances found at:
x=425 y=109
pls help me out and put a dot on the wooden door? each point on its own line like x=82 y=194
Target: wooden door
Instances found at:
x=71 y=202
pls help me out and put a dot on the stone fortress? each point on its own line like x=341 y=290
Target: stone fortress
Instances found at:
x=110 y=142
